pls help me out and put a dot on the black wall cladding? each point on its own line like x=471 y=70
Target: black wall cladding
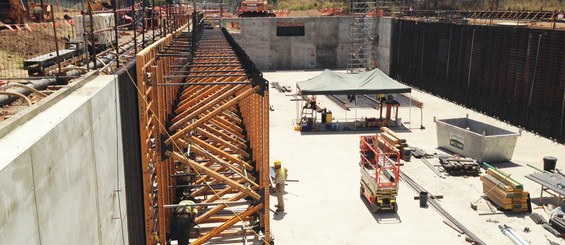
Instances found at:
x=133 y=173
x=514 y=74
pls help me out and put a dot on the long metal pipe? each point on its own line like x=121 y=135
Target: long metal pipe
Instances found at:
x=442 y=211
x=511 y=233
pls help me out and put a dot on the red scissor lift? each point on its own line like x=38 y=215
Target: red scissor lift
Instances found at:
x=380 y=173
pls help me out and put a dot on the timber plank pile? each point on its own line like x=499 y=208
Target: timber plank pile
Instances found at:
x=460 y=166
x=399 y=143
x=507 y=193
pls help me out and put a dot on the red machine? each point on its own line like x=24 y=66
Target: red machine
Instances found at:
x=380 y=173
x=254 y=8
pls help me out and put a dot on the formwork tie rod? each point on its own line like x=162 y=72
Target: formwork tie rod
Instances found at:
x=205 y=204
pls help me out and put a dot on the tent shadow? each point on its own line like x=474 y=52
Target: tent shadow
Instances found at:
x=350 y=129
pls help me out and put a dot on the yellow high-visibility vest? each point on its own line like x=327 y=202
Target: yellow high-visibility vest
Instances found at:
x=280 y=176
x=187 y=209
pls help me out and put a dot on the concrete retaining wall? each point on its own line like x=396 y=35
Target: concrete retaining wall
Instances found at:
x=60 y=170
x=324 y=44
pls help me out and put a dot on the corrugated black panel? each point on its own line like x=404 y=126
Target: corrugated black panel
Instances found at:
x=514 y=74
x=132 y=153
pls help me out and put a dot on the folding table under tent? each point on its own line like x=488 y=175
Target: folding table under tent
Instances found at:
x=336 y=83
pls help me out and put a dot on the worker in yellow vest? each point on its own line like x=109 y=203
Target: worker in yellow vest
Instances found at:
x=280 y=179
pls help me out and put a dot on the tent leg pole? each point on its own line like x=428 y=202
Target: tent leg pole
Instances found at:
x=355 y=118
x=410 y=112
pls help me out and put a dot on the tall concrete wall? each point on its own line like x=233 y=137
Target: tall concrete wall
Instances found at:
x=324 y=45
x=384 y=35
x=60 y=170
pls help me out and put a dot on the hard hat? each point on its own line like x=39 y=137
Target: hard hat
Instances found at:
x=277 y=163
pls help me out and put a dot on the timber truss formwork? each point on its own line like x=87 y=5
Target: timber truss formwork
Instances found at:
x=204 y=130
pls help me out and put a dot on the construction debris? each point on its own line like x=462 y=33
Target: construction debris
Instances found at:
x=505 y=192
x=553 y=231
x=418 y=153
x=458 y=166
x=538 y=219
x=280 y=88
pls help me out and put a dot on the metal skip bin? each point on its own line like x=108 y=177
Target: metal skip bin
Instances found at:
x=470 y=138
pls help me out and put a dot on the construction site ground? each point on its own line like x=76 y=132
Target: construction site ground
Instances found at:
x=323 y=205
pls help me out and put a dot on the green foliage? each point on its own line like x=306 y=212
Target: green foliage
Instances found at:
x=432 y=4
x=297 y=5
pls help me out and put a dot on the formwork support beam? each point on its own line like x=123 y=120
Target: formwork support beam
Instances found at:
x=177 y=156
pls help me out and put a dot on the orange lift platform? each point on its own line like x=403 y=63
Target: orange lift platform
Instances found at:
x=380 y=173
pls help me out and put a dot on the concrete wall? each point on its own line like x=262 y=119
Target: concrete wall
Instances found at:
x=324 y=45
x=60 y=169
x=384 y=35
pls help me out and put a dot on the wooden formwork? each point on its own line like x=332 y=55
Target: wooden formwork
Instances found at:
x=204 y=122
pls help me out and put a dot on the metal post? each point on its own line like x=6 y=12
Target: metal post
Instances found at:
x=152 y=18
x=91 y=24
x=562 y=130
x=117 y=48
x=448 y=54
x=144 y=23
x=422 y=59
x=134 y=27
x=554 y=18
x=84 y=34
x=162 y=27
x=533 y=80
x=56 y=44
x=471 y=61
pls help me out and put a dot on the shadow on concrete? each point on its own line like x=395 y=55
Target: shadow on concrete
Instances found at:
x=352 y=130
x=279 y=215
x=508 y=164
x=387 y=218
x=382 y=217
x=544 y=201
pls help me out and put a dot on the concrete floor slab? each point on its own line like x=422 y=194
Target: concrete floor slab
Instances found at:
x=324 y=206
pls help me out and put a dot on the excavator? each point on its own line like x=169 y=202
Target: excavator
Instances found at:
x=254 y=8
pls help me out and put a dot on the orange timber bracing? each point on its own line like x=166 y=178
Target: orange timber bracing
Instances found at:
x=204 y=106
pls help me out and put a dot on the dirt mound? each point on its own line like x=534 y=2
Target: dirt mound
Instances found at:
x=27 y=43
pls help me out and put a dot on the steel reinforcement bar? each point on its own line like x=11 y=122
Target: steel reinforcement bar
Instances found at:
x=204 y=131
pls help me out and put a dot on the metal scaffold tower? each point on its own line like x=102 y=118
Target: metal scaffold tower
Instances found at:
x=362 y=32
x=361 y=38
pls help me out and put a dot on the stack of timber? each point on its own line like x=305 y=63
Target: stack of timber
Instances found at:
x=397 y=142
x=507 y=193
x=459 y=166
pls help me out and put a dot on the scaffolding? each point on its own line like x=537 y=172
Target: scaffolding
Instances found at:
x=363 y=32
